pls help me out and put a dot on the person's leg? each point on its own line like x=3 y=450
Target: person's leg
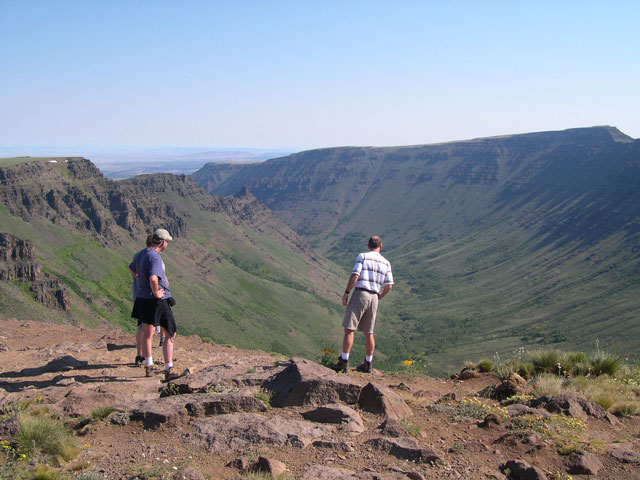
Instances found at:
x=148 y=331
x=167 y=349
x=370 y=344
x=139 y=339
x=347 y=342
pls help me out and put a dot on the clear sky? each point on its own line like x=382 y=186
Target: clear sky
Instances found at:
x=305 y=74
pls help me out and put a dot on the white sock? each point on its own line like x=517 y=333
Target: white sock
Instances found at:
x=345 y=356
x=148 y=361
x=368 y=358
x=168 y=366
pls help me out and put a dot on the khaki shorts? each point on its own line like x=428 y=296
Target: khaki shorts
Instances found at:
x=361 y=312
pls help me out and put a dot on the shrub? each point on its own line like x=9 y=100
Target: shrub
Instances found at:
x=43 y=472
x=549 y=385
x=485 y=366
x=547 y=361
x=624 y=409
x=42 y=435
x=102 y=412
x=265 y=395
x=605 y=363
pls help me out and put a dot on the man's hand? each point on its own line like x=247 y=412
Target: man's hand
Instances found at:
x=345 y=299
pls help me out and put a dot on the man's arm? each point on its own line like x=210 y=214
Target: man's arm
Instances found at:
x=387 y=289
x=352 y=281
x=155 y=289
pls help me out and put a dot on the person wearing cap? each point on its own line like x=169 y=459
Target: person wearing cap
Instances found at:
x=371 y=280
x=152 y=306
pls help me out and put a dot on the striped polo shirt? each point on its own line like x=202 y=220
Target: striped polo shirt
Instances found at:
x=374 y=271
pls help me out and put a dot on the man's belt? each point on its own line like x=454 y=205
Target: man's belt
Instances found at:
x=367 y=290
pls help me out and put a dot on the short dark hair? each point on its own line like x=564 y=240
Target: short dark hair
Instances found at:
x=375 y=242
x=156 y=241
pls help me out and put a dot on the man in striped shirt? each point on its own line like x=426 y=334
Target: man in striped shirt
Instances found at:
x=372 y=279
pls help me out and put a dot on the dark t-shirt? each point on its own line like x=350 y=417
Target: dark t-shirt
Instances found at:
x=145 y=263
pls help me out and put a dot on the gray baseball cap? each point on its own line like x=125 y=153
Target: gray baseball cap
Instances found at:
x=163 y=234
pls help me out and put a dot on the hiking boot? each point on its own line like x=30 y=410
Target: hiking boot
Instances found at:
x=365 y=367
x=139 y=360
x=341 y=366
x=169 y=375
x=149 y=370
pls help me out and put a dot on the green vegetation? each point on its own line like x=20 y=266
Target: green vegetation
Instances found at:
x=265 y=396
x=102 y=412
x=44 y=436
x=600 y=376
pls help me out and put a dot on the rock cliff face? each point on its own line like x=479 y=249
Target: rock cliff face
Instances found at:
x=18 y=262
x=73 y=193
x=17 y=259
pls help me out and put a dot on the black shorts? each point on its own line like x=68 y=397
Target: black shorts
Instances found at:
x=155 y=311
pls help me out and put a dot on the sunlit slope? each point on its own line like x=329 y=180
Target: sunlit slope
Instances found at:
x=239 y=275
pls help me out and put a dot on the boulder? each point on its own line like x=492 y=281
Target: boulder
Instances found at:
x=223 y=433
x=521 y=470
x=570 y=405
x=158 y=411
x=382 y=400
x=583 y=463
x=346 y=417
x=393 y=428
x=320 y=472
x=405 y=448
x=623 y=452
x=270 y=466
x=305 y=383
x=217 y=404
x=514 y=385
x=224 y=378
x=333 y=444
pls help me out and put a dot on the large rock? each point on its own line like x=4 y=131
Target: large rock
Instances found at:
x=382 y=400
x=334 y=444
x=583 y=463
x=228 y=432
x=169 y=410
x=214 y=404
x=159 y=411
x=392 y=428
x=570 y=405
x=623 y=452
x=307 y=383
x=224 y=378
x=514 y=385
x=405 y=448
x=345 y=417
x=271 y=466
x=521 y=470
x=320 y=472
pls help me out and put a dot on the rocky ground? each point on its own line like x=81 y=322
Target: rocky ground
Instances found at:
x=236 y=411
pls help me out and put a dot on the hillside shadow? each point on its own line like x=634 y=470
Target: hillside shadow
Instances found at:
x=18 y=386
x=112 y=347
x=61 y=364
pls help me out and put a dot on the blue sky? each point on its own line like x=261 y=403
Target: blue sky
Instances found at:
x=300 y=74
